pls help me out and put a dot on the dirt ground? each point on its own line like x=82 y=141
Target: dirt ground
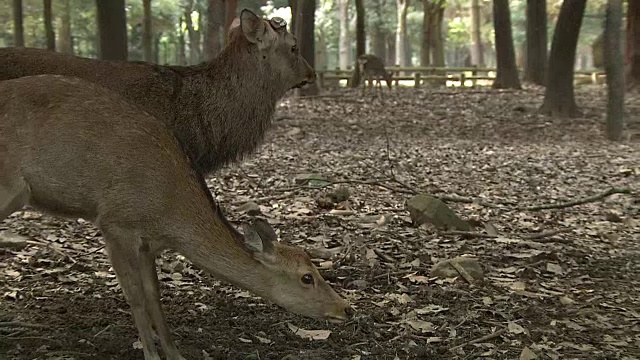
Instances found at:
x=559 y=283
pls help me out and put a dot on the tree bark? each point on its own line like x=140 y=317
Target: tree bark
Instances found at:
x=437 y=42
x=507 y=74
x=360 y=42
x=614 y=67
x=633 y=43
x=147 y=32
x=477 y=56
x=112 y=28
x=344 y=43
x=212 y=36
x=65 y=42
x=401 y=33
x=536 y=54
x=18 y=26
x=181 y=51
x=48 y=26
x=194 y=48
x=432 y=49
x=231 y=6
x=559 y=98
x=378 y=34
x=293 y=4
x=305 y=20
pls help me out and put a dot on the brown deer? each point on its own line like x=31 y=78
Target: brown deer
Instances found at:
x=218 y=110
x=72 y=148
x=372 y=67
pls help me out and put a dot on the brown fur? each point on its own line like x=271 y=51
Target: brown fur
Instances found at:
x=218 y=110
x=72 y=148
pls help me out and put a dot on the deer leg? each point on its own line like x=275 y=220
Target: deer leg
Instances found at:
x=149 y=278
x=13 y=196
x=123 y=248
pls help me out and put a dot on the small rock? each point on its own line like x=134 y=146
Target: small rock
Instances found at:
x=358 y=284
x=250 y=207
x=340 y=194
x=296 y=132
x=12 y=241
x=428 y=209
x=445 y=269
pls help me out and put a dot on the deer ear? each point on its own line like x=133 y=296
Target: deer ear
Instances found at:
x=256 y=30
x=234 y=24
x=259 y=237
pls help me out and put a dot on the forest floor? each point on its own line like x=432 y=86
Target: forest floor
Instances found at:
x=559 y=283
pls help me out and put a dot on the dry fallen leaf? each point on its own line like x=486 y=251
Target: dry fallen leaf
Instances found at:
x=310 y=334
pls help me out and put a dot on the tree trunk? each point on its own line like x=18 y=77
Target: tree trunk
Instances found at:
x=48 y=26
x=391 y=49
x=18 y=27
x=559 y=99
x=401 y=33
x=536 y=54
x=436 y=41
x=615 y=70
x=181 y=52
x=194 y=50
x=231 y=6
x=305 y=20
x=477 y=56
x=360 y=42
x=633 y=43
x=65 y=42
x=112 y=29
x=507 y=74
x=293 y=4
x=425 y=48
x=147 y=32
x=378 y=35
x=344 y=43
x=212 y=36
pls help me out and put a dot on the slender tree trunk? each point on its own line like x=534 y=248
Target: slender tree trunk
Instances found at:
x=360 y=42
x=48 y=26
x=194 y=50
x=230 y=14
x=18 y=27
x=182 y=56
x=378 y=35
x=65 y=42
x=147 y=32
x=536 y=54
x=633 y=43
x=425 y=48
x=477 y=56
x=112 y=28
x=391 y=49
x=344 y=43
x=156 y=48
x=507 y=75
x=293 y=4
x=559 y=98
x=401 y=33
x=215 y=21
x=437 y=42
x=306 y=39
x=614 y=69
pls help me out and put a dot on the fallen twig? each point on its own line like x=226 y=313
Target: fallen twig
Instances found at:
x=543 y=234
x=20 y=324
x=588 y=199
x=263 y=199
x=469 y=234
x=480 y=339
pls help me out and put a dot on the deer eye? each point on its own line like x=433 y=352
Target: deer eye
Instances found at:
x=294 y=49
x=307 y=279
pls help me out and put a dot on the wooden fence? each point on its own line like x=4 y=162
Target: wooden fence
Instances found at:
x=467 y=76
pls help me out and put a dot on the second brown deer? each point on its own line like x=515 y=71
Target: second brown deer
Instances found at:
x=75 y=149
x=372 y=68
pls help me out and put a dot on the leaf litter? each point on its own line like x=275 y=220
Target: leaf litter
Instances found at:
x=556 y=239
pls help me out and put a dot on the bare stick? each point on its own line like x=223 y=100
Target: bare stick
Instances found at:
x=588 y=199
x=543 y=234
x=20 y=324
x=481 y=339
x=469 y=234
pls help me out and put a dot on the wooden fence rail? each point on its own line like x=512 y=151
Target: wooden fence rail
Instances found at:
x=440 y=75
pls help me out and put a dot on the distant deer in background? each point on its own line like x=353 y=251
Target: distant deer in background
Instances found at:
x=372 y=67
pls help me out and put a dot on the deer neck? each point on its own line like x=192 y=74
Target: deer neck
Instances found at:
x=228 y=104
